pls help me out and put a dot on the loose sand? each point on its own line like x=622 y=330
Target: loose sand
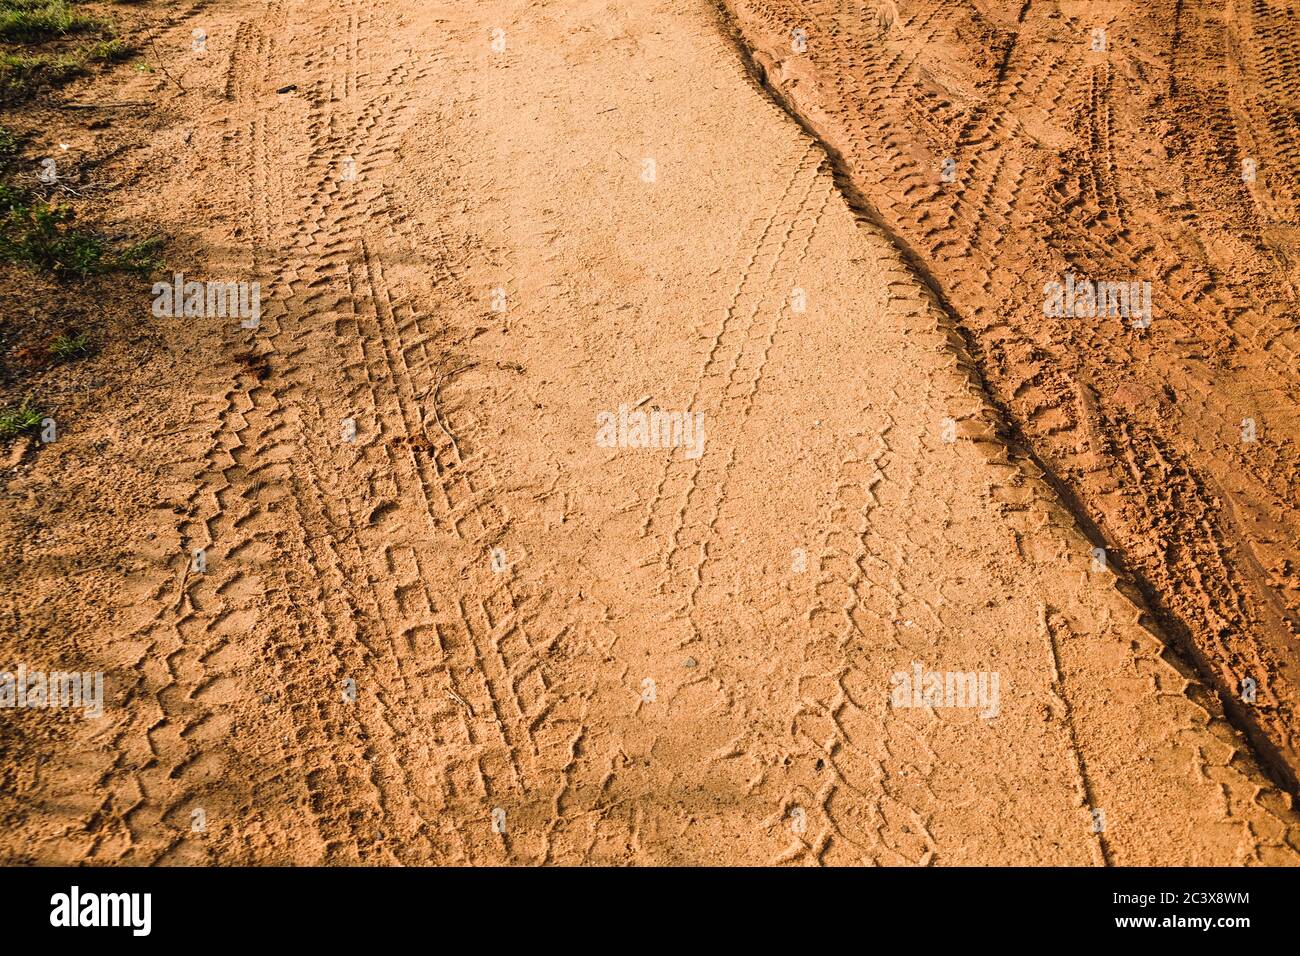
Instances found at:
x=440 y=617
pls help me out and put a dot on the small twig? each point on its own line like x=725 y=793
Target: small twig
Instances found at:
x=82 y=190
x=162 y=65
x=460 y=700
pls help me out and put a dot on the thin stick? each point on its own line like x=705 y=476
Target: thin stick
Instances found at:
x=161 y=65
x=460 y=700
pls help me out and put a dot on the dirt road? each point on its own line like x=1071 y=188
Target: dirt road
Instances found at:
x=398 y=575
x=1008 y=145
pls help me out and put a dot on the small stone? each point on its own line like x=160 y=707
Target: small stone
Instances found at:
x=690 y=662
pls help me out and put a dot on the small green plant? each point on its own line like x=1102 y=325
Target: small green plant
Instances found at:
x=11 y=196
x=21 y=73
x=19 y=420
x=41 y=234
x=110 y=51
x=9 y=144
x=142 y=258
x=68 y=346
x=25 y=22
x=44 y=236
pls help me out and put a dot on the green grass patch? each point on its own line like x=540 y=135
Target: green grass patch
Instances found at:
x=42 y=235
x=10 y=144
x=20 y=420
x=111 y=50
x=22 y=73
x=45 y=237
x=142 y=258
x=34 y=20
x=34 y=47
x=68 y=346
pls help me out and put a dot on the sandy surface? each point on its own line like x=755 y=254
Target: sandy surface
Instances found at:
x=1167 y=157
x=441 y=619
